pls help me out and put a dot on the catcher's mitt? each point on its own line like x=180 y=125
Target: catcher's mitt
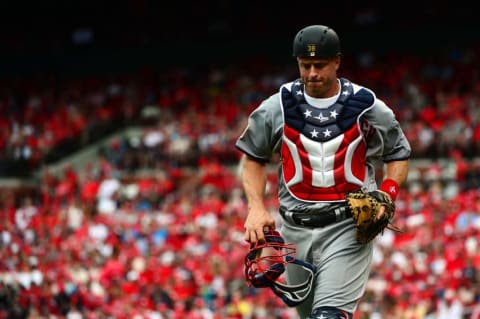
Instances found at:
x=364 y=207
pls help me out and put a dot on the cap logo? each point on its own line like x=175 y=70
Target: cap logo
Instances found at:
x=311 y=49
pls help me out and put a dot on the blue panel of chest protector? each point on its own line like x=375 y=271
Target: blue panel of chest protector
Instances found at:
x=354 y=106
x=325 y=124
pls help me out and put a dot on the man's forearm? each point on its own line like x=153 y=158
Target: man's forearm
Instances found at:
x=397 y=170
x=254 y=179
x=395 y=175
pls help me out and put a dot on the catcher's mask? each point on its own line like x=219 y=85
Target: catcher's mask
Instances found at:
x=266 y=262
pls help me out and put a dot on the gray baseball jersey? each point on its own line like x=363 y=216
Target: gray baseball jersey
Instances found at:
x=342 y=264
x=262 y=138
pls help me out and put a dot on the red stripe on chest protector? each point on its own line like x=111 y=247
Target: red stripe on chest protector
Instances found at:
x=304 y=190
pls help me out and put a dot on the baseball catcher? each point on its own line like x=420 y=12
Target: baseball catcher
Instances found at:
x=325 y=135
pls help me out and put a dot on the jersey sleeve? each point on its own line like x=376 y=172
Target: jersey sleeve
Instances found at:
x=388 y=141
x=262 y=135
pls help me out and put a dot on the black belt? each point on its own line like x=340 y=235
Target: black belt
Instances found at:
x=314 y=219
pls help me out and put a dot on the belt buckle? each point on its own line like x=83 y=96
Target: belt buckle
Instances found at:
x=289 y=217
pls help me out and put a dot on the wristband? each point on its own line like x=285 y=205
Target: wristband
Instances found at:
x=390 y=187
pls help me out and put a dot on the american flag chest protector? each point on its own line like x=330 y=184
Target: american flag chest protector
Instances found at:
x=323 y=150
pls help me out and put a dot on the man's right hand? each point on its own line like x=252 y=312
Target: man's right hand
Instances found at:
x=257 y=221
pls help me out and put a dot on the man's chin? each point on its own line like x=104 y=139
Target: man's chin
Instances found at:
x=314 y=90
x=315 y=85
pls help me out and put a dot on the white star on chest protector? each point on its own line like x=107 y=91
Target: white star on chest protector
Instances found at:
x=333 y=114
x=321 y=118
x=327 y=133
x=314 y=133
x=308 y=113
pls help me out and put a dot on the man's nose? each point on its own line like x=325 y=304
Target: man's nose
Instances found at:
x=312 y=71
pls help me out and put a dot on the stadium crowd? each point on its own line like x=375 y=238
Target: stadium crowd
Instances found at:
x=435 y=97
x=153 y=227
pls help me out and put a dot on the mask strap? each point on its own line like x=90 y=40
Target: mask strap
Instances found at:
x=293 y=295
